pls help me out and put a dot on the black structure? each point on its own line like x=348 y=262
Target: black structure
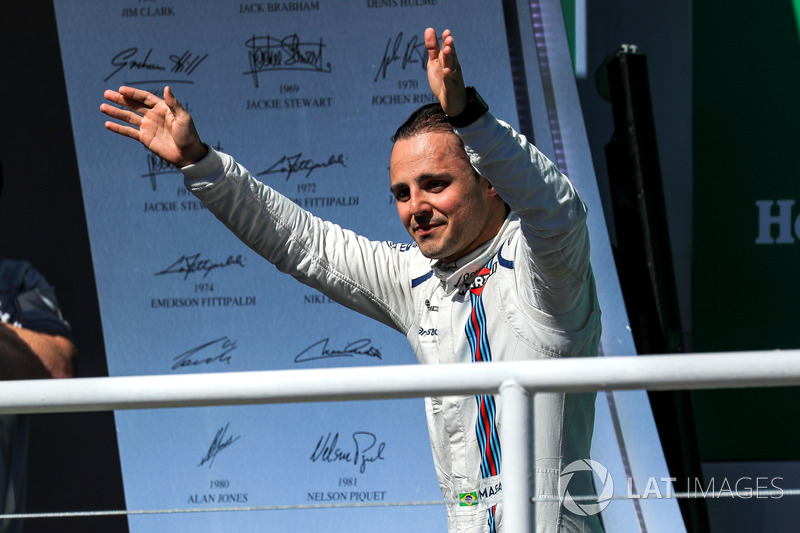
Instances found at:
x=73 y=460
x=644 y=260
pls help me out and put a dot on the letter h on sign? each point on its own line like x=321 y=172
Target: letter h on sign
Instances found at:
x=783 y=220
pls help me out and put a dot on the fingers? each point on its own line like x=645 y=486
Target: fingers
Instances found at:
x=131 y=104
x=445 y=57
x=140 y=97
x=431 y=44
x=112 y=96
x=121 y=114
x=444 y=72
x=448 y=57
x=173 y=104
x=125 y=131
x=169 y=97
x=136 y=100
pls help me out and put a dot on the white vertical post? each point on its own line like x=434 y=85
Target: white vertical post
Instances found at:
x=515 y=439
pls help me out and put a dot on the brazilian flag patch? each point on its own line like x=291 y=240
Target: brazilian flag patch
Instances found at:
x=468 y=498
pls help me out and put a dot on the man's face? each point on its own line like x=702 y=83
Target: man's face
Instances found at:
x=444 y=206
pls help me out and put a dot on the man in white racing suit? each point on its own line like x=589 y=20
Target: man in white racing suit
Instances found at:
x=499 y=271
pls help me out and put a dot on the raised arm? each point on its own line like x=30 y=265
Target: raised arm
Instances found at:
x=162 y=125
x=550 y=210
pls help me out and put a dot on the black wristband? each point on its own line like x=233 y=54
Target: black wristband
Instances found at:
x=472 y=111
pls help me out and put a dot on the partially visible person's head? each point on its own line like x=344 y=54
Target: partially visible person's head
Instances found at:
x=445 y=205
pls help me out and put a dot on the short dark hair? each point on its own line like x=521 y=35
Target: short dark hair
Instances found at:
x=428 y=118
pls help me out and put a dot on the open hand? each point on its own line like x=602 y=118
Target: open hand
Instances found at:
x=163 y=126
x=444 y=72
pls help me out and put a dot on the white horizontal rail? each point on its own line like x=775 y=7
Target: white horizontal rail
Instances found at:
x=514 y=381
x=654 y=372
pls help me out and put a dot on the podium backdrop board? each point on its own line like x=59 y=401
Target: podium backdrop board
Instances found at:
x=306 y=95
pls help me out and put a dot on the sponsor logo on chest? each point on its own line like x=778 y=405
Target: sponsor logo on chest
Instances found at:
x=480 y=279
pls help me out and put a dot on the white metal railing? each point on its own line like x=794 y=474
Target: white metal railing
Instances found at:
x=514 y=381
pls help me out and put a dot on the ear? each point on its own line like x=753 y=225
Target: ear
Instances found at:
x=491 y=191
